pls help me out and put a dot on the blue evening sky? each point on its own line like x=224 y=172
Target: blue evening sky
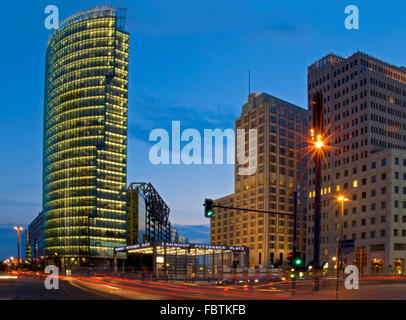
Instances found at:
x=189 y=62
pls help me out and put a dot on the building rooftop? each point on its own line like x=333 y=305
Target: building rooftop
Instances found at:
x=255 y=100
x=331 y=59
x=99 y=11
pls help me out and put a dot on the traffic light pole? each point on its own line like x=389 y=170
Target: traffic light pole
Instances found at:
x=294 y=238
x=294 y=245
x=253 y=210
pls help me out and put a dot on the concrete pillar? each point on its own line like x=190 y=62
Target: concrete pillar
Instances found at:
x=212 y=266
x=195 y=266
x=154 y=255
x=222 y=265
x=115 y=262
x=165 y=262
x=204 y=266
x=185 y=265
x=176 y=262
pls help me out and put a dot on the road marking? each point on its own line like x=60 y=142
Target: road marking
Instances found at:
x=272 y=290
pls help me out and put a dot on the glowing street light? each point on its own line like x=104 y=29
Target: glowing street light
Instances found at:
x=341 y=199
x=18 y=229
x=319 y=144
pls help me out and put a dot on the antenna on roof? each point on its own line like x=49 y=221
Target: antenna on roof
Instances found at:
x=249 y=82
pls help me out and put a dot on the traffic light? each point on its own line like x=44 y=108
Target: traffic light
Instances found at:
x=298 y=262
x=290 y=256
x=208 y=208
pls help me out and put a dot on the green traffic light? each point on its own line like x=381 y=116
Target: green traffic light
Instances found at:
x=298 y=261
x=210 y=213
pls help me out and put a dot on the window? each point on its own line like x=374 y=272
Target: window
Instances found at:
x=383 y=162
x=355 y=183
x=373 y=166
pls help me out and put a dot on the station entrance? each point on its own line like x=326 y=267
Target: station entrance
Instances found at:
x=186 y=261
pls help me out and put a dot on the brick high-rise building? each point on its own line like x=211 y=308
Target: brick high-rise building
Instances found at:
x=364 y=115
x=281 y=127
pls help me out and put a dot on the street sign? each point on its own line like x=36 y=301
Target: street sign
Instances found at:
x=347 y=243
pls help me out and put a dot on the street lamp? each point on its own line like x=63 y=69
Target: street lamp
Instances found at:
x=18 y=229
x=341 y=199
x=316 y=136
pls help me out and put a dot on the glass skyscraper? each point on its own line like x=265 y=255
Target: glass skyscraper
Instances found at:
x=85 y=137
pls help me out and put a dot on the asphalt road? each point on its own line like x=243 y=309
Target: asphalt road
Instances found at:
x=30 y=288
x=106 y=287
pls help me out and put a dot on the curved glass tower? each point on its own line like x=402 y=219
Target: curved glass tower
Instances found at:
x=85 y=136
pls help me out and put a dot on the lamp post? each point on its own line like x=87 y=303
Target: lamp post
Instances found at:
x=341 y=199
x=316 y=137
x=18 y=229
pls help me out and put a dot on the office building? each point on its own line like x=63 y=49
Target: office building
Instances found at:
x=36 y=237
x=364 y=122
x=280 y=163
x=85 y=138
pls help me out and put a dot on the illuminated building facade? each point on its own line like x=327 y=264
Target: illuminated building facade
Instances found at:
x=85 y=137
x=281 y=128
x=35 y=237
x=364 y=117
